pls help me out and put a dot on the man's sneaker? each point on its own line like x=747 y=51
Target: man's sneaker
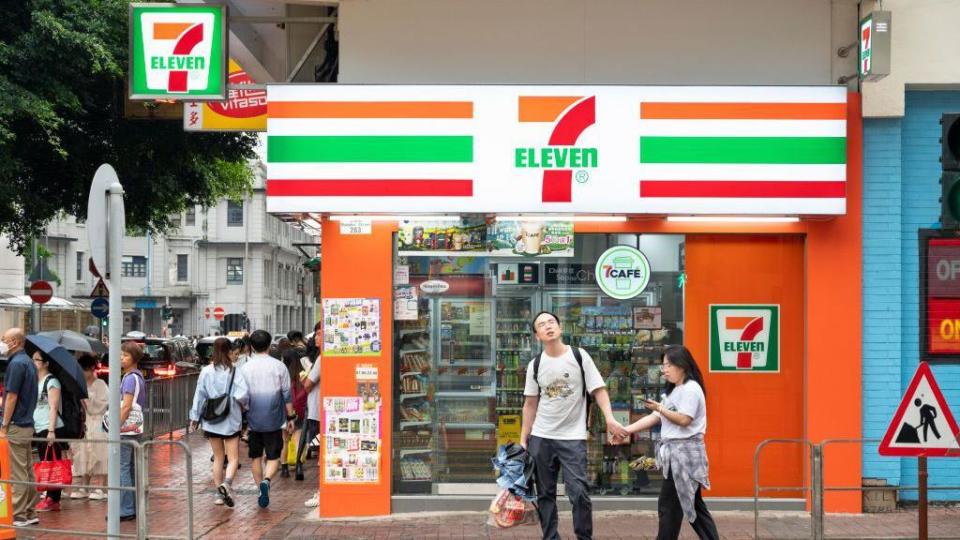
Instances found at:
x=48 y=505
x=264 y=499
x=218 y=500
x=26 y=522
x=97 y=495
x=78 y=494
x=313 y=502
x=226 y=494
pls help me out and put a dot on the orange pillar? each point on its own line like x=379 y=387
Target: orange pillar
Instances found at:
x=359 y=266
x=6 y=491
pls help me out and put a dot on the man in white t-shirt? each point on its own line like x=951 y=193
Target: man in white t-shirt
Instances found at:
x=554 y=428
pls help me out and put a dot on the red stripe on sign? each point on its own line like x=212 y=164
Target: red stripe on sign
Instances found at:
x=557 y=186
x=369 y=188
x=742 y=189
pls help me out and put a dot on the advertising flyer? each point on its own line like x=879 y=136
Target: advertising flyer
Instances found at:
x=440 y=238
x=405 y=303
x=351 y=327
x=352 y=440
x=647 y=318
x=531 y=239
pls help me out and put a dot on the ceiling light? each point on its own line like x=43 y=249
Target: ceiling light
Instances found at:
x=734 y=219
x=378 y=217
x=604 y=219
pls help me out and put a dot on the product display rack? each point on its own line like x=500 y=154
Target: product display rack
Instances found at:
x=629 y=360
x=414 y=442
x=515 y=346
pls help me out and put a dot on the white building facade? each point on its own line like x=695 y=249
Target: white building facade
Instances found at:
x=232 y=258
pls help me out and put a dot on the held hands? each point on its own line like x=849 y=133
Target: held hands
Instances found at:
x=616 y=432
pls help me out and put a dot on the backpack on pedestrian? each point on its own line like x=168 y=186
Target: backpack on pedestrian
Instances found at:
x=72 y=412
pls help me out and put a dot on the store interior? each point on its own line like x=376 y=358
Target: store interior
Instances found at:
x=462 y=343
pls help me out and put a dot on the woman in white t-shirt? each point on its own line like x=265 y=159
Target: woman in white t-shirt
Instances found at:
x=681 y=453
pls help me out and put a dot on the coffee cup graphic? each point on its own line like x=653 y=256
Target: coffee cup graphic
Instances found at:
x=531 y=233
x=622 y=263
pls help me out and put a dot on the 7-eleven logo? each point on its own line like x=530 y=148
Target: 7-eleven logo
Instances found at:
x=744 y=338
x=571 y=115
x=177 y=50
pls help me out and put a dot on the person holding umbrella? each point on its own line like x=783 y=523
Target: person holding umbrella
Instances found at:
x=20 y=398
x=48 y=424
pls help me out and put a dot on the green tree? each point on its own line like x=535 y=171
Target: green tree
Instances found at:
x=62 y=84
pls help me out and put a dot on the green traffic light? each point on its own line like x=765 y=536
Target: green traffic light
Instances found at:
x=952 y=202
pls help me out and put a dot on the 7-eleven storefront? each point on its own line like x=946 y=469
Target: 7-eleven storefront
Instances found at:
x=451 y=214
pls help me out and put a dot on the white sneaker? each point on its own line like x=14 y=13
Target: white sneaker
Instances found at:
x=26 y=522
x=78 y=494
x=313 y=502
x=97 y=495
x=218 y=500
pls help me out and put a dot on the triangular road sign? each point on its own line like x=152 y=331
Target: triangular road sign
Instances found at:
x=100 y=291
x=923 y=424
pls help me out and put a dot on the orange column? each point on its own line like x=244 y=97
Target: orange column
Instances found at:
x=834 y=344
x=6 y=491
x=359 y=266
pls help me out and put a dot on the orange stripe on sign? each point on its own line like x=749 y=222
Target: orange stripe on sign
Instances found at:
x=736 y=323
x=169 y=30
x=743 y=111
x=544 y=108
x=370 y=109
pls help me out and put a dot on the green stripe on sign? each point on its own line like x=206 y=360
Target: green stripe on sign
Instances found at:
x=761 y=150
x=369 y=149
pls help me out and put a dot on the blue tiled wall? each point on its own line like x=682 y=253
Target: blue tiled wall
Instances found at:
x=901 y=191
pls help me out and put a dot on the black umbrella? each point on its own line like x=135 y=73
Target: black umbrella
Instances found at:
x=62 y=364
x=73 y=341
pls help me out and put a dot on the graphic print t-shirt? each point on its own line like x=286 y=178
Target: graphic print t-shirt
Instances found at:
x=562 y=411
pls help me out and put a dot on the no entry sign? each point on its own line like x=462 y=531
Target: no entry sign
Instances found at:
x=41 y=292
x=218 y=313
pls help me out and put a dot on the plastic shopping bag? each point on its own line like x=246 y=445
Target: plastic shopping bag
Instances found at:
x=509 y=510
x=56 y=471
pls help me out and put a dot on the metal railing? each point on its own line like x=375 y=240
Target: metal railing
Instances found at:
x=168 y=404
x=757 y=488
x=817 y=485
x=141 y=489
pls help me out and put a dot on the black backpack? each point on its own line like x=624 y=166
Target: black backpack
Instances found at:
x=72 y=412
x=583 y=379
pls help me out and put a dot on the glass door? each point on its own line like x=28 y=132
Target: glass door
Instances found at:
x=465 y=389
x=415 y=437
x=515 y=347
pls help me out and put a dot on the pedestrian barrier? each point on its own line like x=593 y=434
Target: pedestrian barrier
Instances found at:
x=168 y=404
x=141 y=488
x=816 y=487
x=757 y=488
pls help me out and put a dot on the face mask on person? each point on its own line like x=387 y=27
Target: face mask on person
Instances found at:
x=4 y=348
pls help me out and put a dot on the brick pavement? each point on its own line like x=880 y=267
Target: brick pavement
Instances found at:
x=287 y=518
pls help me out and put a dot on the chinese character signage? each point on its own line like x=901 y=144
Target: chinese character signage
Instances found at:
x=244 y=110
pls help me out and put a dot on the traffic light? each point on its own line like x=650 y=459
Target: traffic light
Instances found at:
x=950 y=177
x=166 y=312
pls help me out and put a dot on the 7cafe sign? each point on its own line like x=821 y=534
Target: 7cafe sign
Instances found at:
x=518 y=149
x=178 y=52
x=622 y=272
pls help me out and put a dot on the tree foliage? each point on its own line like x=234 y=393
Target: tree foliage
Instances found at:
x=63 y=65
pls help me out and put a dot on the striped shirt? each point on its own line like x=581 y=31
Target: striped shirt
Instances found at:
x=268 y=383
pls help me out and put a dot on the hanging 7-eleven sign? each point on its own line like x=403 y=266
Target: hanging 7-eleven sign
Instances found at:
x=178 y=52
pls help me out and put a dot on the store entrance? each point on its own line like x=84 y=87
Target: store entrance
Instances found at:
x=462 y=356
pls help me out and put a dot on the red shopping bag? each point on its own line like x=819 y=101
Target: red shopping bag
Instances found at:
x=57 y=471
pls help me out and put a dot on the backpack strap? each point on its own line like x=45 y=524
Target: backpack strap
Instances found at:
x=536 y=370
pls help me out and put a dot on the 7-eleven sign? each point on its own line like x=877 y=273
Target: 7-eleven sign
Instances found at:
x=745 y=338
x=178 y=52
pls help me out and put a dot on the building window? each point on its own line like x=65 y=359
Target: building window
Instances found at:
x=79 y=266
x=134 y=266
x=176 y=220
x=191 y=216
x=182 y=262
x=234 y=213
x=234 y=270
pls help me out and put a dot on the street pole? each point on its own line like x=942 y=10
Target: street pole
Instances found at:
x=35 y=308
x=115 y=232
x=922 y=486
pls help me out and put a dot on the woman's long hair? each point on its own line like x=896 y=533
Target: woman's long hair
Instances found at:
x=680 y=356
x=291 y=358
x=221 y=354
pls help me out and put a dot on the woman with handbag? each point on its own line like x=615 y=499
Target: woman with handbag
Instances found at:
x=291 y=358
x=47 y=414
x=221 y=394
x=133 y=399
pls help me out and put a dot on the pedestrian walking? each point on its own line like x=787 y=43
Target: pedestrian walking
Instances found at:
x=90 y=459
x=681 y=453
x=311 y=428
x=20 y=400
x=270 y=410
x=46 y=423
x=133 y=390
x=554 y=426
x=220 y=381
x=291 y=359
